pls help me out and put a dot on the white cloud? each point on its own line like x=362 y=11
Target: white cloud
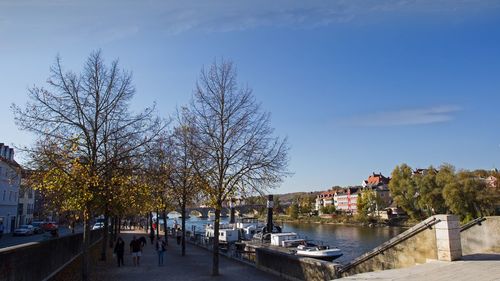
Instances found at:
x=405 y=117
x=221 y=16
x=175 y=17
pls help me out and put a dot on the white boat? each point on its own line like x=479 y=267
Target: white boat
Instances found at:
x=318 y=252
x=293 y=243
x=227 y=234
x=248 y=227
x=286 y=239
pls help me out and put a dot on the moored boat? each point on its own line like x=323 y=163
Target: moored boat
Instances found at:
x=318 y=252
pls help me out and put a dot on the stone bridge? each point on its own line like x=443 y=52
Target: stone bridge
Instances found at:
x=203 y=212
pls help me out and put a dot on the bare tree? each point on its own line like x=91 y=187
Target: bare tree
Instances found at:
x=87 y=114
x=234 y=141
x=158 y=170
x=184 y=179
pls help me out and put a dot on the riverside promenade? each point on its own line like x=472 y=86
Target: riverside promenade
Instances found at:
x=196 y=265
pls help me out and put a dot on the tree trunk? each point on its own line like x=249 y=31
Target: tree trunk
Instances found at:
x=152 y=231
x=165 y=225
x=183 y=210
x=112 y=237
x=119 y=228
x=215 y=263
x=115 y=233
x=85 y=246
x=105 y=234
x=157 y=225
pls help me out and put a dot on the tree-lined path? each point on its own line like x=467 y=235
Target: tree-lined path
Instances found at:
x=196 y=265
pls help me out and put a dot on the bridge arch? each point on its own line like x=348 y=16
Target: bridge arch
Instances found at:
x=174 y=213
x=195 y=213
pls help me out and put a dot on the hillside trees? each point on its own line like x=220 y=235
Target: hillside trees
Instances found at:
x=368 y=202
x=293 y=211
x=234 y=141
x=80 y=115
x=443 y=190
x=404 y=190
x=306 y=204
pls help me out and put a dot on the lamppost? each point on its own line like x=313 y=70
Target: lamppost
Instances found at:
x=232 y=211
x=270 y=206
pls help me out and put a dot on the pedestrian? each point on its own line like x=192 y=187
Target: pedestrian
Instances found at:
x=178 y=235
x=1 y=229
x=161 y=247
x=119 y=250
x=152 y=237
x=143 y=241
x=135 y=249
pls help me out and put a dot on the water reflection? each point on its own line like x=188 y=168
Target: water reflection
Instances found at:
x=352 y=240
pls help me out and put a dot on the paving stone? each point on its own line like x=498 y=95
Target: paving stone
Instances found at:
x=476 y=268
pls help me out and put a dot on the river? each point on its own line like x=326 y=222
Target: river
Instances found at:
x=353 y=240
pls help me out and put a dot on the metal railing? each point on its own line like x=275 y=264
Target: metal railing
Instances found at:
x=472 y=223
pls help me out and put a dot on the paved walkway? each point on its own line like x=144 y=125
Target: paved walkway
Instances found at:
x=196 y=265
x=481 y=267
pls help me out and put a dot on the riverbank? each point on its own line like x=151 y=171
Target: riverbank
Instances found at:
x=341 y=220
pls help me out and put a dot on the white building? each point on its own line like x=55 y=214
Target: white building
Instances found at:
x=344 y=199
x=347 y=200
x=324 y=199
x=26 y=204
x=10 y=180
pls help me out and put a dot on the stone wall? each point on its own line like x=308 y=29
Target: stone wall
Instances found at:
x=73 y=270
x=414 y=246
x=291 y=267
x=39 y=260
x=482 y=238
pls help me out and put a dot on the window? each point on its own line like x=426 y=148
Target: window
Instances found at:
x=10 y=196
x=4 y=195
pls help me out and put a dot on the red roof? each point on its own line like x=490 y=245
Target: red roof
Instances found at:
x=376 y=179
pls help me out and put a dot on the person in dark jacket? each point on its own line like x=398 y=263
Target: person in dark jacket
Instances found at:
x=143 y=241
x=136 y=250
x=119 y=250
x=178 y=235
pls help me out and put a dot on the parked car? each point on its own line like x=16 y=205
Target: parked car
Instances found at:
x=24 y=229
x=49 y=226
x=37 y=227
x=97 y=225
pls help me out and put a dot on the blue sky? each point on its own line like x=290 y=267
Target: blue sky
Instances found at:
x=356 y=86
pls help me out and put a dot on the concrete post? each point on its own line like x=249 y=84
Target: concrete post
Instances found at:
x=449 y=247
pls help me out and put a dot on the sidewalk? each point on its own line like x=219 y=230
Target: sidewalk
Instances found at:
x=196 y=265
x=484 y=267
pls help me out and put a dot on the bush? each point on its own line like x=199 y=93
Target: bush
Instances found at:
x=330 y=209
